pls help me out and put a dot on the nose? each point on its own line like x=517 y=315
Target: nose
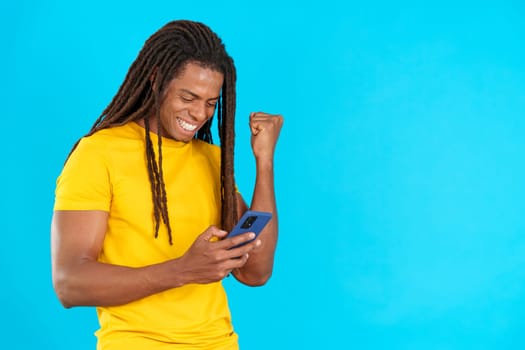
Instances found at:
x=198 y=111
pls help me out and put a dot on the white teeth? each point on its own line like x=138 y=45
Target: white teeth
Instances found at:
x=186 y=126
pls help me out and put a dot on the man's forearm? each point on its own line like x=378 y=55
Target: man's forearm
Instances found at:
x=92 y=283
x=259 y=267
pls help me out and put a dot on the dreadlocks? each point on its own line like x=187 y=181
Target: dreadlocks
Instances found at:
x=162 y=58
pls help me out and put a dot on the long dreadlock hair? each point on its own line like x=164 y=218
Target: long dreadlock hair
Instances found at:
x=164 y=56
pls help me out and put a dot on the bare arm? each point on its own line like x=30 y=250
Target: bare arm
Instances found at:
x=265 y=132
x=79 y=279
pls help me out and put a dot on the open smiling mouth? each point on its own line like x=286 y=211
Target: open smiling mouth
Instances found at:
x=186 y=126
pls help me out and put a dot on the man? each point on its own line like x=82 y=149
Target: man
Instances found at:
x=141 y=198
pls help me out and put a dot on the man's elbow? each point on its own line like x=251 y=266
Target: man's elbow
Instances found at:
x=64 y=291
x=256 y=283
x=253 y=280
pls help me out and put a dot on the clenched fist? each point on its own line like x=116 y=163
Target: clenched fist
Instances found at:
x=265 y=130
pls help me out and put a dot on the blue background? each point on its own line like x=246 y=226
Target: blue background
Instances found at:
x=399 y=173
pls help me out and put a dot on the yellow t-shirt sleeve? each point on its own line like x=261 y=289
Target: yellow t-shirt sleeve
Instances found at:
x=84 y=183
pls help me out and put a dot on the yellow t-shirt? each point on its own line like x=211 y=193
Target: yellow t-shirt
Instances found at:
x=107 y=171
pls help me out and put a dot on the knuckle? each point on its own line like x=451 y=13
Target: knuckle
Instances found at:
x=233 y=242
x=238 y=240
x=221 y=273
x=243 y=260
x=217 y=258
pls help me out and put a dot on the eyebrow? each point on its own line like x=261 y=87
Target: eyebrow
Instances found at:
x=197 y=96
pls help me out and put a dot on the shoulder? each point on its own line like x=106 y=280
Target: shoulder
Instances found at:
x=111 y=140
x=128 y=131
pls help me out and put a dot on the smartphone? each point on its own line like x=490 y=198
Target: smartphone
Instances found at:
x=251 y=221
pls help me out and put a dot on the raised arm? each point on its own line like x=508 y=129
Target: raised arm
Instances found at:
x=265 y=130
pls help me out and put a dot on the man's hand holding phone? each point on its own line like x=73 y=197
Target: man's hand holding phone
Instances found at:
x=215 y=253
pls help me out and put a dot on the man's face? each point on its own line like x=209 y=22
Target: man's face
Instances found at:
x=189 y=102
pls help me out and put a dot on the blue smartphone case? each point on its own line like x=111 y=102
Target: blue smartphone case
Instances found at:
x=251 y=221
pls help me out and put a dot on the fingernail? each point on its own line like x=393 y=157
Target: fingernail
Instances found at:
x=258 y=243
x=252 y=235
